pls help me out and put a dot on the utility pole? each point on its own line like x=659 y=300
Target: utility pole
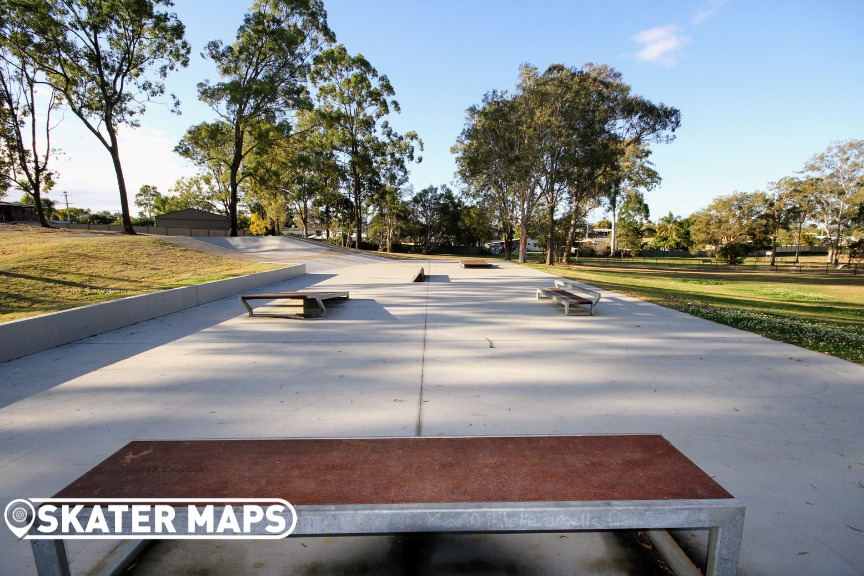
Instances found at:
x=68 y=217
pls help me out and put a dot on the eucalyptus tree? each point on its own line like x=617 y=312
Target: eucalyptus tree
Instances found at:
x=108 y=60
x=146 y=200
x=730 y=224
x=496 y=156
x=291 y=171
x=633 y=215
x=6 y=178
x=567 y=133
x=435 y=217
x=619 y=160
x=331 y=207
x=392 y=211
x=209 y=147
x=554 y=101
x=311 y=168
x=801 y=194
x=352 y=101
x=263 y=76
x=25 y=126
x=781 y=211
x=628 y=172
x=840 y=172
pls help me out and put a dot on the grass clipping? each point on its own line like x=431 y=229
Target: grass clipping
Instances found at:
x=45 y=270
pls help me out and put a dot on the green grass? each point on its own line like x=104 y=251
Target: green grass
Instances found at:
x=817 y=312
x=46 y=270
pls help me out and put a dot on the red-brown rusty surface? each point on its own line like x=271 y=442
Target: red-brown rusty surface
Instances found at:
x=402 y=470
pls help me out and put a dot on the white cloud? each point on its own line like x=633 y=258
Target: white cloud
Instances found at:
x=708 y=11
x=660 y=44
x=663 y=44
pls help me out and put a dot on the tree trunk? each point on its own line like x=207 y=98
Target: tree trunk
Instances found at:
x=798 y=241
x=523 y=242
x=550 y=248
x=236 y=161
x=114 y=150
x=357 y=209
x=391 y=226
x=304 y=218
x=835 y=253
x=774 y=248
x=508 y=240
x=571 y=237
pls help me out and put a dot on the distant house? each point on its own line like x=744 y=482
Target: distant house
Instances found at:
x=497 y=246
x=17 y=212
x=193 y=218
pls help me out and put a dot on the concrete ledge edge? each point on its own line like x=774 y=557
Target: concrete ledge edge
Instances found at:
x=30 y=335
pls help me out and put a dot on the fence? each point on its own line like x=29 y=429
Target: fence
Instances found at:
x=706 y=264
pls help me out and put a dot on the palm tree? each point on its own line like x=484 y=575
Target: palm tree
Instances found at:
x=669 y=231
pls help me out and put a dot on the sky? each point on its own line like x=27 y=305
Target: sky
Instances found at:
x=762 y=85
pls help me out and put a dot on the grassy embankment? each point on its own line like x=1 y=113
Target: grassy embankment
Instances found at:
x=46 y=270
x=819 y=312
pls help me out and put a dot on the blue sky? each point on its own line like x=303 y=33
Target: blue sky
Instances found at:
x=762 y=85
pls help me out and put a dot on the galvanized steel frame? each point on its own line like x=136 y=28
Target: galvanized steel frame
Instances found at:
x=724 y=518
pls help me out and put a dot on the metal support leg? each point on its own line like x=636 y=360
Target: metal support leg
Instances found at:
x=50 y=557
x=724 y=546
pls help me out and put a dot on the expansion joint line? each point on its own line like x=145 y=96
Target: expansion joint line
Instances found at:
x=419 y=430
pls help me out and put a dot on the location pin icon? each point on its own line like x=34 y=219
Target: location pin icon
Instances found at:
x=20 y=515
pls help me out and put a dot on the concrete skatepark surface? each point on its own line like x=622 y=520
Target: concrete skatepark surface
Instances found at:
x=470 y=352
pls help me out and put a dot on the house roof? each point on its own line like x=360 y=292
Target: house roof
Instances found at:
x=19 y=204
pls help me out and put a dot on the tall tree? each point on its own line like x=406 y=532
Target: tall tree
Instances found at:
x=208 y=146
x=329 y=208
x=435 y=217
x=840 y=170
x=555 y=106
x=496 y=155
x=108 y=59
x=392 y=210
x=781 y=211
x=263 y=74
x=147 y=199
x=353 y=100
x=565 y=133
x=26 y=128
x=627 y=172
x=801 y=194
x=310 y=164
x=632 y=217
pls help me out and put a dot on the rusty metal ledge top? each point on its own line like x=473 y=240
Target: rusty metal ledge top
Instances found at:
x=402 y=470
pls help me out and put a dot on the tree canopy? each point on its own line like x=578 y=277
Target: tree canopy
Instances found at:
x=575 y=134
x=107 y=58
x=353 y=100
x=263 y=74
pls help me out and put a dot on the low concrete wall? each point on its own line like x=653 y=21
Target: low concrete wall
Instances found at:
x=30 y=335
x=157 y=230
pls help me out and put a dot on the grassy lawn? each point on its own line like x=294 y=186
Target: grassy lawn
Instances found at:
x=818 y=312
x=46 y=270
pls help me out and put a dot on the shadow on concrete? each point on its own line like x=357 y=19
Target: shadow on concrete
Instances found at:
x=26 y=376
x=417 y=554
